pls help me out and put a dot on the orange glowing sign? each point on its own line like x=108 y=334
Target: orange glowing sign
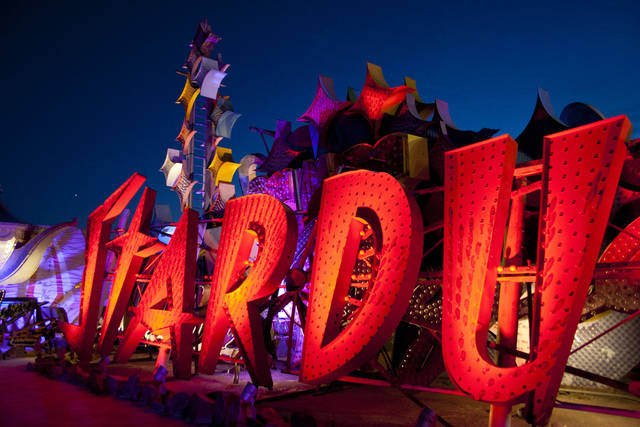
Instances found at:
x=129 y=263
x=581 y=168
x=394 y=216
x=173 y=284
x=580 y=171
x=234 y=299
x=81 y=337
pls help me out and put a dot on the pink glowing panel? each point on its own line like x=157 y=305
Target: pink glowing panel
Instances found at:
x=385 y=205
x=173 y=284
x=81 y=337
x=323 y=109
x=129 y=262
x=325 y=104
x=581 y=170
x=234 y=298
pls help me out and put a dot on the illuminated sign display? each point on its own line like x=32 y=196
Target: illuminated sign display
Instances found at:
x=580 y=171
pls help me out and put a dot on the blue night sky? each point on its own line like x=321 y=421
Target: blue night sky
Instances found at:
x=89 y=88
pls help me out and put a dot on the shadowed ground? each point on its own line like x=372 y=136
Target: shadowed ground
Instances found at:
x=30 y=399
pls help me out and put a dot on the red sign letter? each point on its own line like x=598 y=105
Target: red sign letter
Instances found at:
x=247 y=219
x=173 y=282
x=129 y=263
x=580 y=174
x=81 y=337
x=394 y=216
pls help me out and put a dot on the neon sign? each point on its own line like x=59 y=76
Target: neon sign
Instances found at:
x=581 y=168
x=580 y=171
x=234 y=298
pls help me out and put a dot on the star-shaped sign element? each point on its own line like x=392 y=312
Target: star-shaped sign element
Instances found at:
x=325 y=104
x=188 y=98
x=324 y=107
x=186 y=136
x=377 y=98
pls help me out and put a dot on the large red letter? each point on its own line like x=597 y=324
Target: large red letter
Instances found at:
x=247 y=219
x=81 y=337
x=173 y=282
x=129 y=263
x=580 y=174
x=393 y=214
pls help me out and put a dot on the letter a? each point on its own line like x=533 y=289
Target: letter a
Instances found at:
x=172 y=283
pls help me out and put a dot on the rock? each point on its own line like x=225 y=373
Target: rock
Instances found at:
x=111 y=386
x=199 y=410
x=177 y=404
x=131 y=389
